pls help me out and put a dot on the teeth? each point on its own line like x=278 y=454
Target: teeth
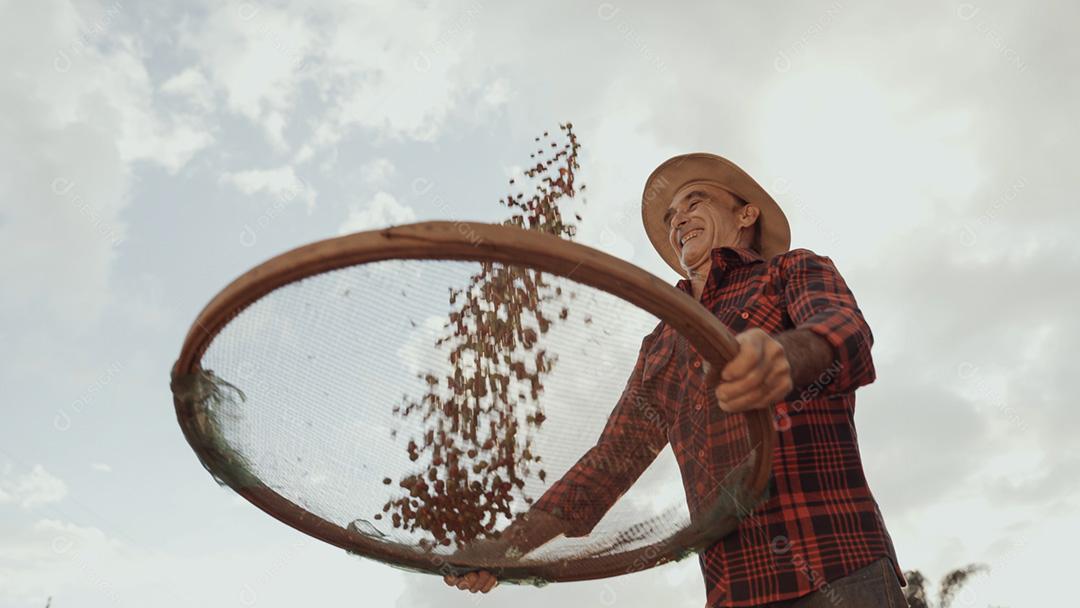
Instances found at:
x=689 y=236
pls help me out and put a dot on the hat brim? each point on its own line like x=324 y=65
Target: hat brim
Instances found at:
x=678 y=171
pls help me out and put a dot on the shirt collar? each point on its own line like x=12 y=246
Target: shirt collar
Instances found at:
x=723 y=259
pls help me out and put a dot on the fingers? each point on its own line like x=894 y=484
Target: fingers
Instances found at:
x=756 y=377
x=452 y=580
x=482 y=581
x=479 y=581
x=465 y=581
x=775 y=386
x=749 y=356
x=745 y=383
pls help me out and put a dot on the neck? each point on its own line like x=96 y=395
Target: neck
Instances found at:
x=698 y=276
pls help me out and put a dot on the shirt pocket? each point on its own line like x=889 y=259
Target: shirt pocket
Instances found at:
x=762 y=312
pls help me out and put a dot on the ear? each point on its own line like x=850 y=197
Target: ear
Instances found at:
x=748 y=215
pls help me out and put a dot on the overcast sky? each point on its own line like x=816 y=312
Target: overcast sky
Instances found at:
x=154 y=151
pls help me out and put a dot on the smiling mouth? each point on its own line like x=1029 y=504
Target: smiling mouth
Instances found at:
x=690 y=235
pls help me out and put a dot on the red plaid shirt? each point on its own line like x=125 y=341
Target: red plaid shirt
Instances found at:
x=820 y=521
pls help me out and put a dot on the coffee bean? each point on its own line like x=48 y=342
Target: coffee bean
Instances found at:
x=472 y=437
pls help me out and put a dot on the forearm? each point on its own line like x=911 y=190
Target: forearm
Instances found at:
x=634 y=434
x=819 y=301
x=533 y=530
x=582 y=496
x=809 y=355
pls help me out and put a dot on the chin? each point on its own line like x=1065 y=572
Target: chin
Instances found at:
x=695 y=251
x=691 y=258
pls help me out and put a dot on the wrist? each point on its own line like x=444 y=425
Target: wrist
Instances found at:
x=808 y=354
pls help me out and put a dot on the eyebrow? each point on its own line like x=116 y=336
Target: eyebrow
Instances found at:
x=689 y=195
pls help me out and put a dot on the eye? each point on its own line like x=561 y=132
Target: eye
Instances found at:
x=694 y=204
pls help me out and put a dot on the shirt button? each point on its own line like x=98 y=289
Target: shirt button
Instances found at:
x=745 y=315
x=697 y=364
x=701 y=453
x=700 y=488
x=697 y=406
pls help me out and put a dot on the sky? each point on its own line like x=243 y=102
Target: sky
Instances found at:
x=155 y=151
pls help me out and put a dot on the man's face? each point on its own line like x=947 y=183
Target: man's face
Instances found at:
x=700 y=218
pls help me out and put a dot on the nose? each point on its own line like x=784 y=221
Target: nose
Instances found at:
x=678 y=219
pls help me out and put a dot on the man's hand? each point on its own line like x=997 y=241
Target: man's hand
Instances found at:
x=757 y=377
x=520 y=538
x=490 y=551
x=482 y=581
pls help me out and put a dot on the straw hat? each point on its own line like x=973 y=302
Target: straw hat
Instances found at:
x=678 y=171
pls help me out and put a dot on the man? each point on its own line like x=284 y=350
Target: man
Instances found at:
x=804 y=347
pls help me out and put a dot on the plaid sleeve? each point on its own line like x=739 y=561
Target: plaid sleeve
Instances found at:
x=818 y=299
x=633 y=436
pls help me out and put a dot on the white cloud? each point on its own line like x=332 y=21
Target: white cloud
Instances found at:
x=192 y=86
x=90 y=566
x=398 y=71
x=411 y=84
x=497 y=93
x=33 y=489
x=54 y=558
x=85 y=113
x=256 y=54
x=381 y=211
x=304 y=154
x=377 y=171
x=281 y=183
x=816 y=127
x=101 y=467
x=368 y=71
